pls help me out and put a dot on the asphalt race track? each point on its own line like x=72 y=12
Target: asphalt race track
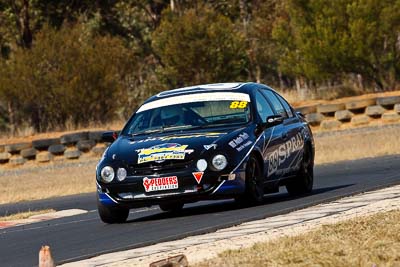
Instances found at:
x=84 y=236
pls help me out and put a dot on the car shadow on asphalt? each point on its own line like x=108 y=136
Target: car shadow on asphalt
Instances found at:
x=225 y=206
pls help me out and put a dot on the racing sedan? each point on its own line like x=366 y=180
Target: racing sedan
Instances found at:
x=215 y=141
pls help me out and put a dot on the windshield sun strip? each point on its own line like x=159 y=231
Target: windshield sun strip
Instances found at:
x=201 y=97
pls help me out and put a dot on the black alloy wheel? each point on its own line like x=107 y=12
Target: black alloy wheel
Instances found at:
x=254 y=193
x=303 y=182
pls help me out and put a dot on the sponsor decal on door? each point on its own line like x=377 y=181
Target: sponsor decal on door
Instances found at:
x=283 y=152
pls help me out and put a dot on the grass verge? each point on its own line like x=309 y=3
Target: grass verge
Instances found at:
x=24 y=215
x=366 y=241
x=47 y=181
x=362 y=143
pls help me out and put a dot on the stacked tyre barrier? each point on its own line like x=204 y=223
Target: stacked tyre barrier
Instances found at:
x=353 y=113
x=334 y=115
x=67 y=147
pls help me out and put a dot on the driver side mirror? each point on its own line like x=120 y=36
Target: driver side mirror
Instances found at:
x=109 y=136
x=274 y=120
x=300 y=114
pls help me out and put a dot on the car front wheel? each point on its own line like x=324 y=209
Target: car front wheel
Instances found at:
x=254 y=193
x=112 y=215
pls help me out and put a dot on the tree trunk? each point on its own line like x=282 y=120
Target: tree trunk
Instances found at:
x=281 y=82
x=298 y=86
x=360 y=82
x=25 y=25
x=258 y=73
x=35 y=118
x=11 y=116
x=244 y=14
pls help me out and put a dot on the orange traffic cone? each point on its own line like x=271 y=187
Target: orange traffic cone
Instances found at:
x=45 y=258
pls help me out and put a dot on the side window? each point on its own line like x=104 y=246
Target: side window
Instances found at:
x=263 y=107
x=280 y=110
x=286 y=106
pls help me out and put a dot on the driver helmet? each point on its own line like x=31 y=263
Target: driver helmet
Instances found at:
x=171 y=115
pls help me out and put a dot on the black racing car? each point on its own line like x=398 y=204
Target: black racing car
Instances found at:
x=230 y=140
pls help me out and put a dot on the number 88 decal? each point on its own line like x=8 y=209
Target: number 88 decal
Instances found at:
x=238 y=104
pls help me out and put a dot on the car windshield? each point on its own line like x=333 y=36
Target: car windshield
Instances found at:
x=190 y=111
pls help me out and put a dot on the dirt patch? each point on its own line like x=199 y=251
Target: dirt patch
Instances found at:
x=48 y=180
x=357 y=143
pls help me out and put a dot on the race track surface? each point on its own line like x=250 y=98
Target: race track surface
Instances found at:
x=84 y=236
x=81 y=201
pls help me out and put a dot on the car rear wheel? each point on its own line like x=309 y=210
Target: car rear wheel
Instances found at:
x=254 y=193
x=303 y=182
x=171 y=207
x=112 y=215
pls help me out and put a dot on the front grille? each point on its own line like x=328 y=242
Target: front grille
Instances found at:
x=163 y=167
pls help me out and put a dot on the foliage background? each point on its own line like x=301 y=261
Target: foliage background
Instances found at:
x=82 y=62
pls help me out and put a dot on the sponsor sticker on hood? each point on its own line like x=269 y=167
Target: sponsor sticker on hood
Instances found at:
x=159 y=184
x=207 y=147
x=162 y=152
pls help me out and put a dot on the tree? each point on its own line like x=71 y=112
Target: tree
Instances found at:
x=320 y=36
x=263 y=50
x=374 y=27
x=332 y=39
x=21 y=19
x=199 y=47
x=68 y=74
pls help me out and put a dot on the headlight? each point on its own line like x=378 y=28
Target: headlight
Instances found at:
x=107 y=174
x=219 y=162
x=201 y=165
x=121 y=174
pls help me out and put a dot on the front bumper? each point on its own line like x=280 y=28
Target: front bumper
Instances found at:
x=131 y=194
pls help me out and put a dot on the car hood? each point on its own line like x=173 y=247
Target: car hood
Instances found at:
x=187 y=145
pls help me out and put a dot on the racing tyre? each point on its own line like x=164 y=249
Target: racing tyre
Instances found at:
x=112 y=215
x=171 y=207
x=254 y=184
x=303 y=182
